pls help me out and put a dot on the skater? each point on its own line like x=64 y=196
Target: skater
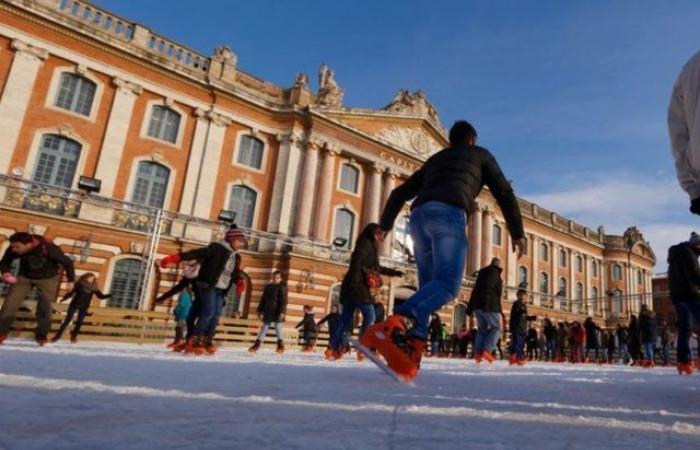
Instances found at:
x=684 y=287
x=684 y=130
x=532 y=343
x=81 y=294
x=332 y=319
x=272 y=309
x=518 y=327
x=39 y=264
x=648 y=332
x=623 y=344
x=435 y=329
x=185 y=304
x=217 y=275
x=634 y=341
x=577 y=339
x=550 y=336
x=308 y=329
x=591 y=339
x=445 y=189
x=485 y=305
x=356 y=291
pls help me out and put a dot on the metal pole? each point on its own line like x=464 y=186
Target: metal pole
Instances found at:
x=151 y=257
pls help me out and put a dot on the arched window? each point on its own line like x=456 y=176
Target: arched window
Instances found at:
x=76 y=94
x=57 y=161
x=497 y=235
x=242 y=202
x=562 y=287
x=544 y=252
x=459 y=318
x=251 y=152
x=151 y=184
x=562 y=258
x=579 y=264
x=594 y=299
x=594 y=268
x=616 y=272
x=522 y=275
x=544 y=283
x=403 y=242
x=125 y=284
x=164 y=124
x=349 y=178
x=616 y=302
x=344 y=226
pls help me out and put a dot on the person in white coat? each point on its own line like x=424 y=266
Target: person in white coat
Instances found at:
x=684 y=129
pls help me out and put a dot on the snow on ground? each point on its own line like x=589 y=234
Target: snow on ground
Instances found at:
x=144 y=397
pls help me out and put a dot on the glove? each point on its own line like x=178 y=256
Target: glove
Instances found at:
x=8 y=278
x=695 y=206
x=170 y=260
x=240 y=286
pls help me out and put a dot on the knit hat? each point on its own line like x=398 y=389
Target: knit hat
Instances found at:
x=235 y=233
x=694 y=239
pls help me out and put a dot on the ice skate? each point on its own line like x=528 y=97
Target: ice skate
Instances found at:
x=255 y=347
x=488 y=357
x=402 y=353
x=280 y=347
x=685 y=368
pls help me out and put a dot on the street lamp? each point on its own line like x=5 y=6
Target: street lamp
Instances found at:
x=89 y=185
x=227 y=216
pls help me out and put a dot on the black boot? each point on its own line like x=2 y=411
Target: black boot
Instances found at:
x=280 y=346
x=256 y=345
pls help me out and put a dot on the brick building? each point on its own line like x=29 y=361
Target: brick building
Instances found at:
x=175 y=137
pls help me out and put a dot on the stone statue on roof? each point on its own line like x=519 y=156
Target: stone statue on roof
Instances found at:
x=329 y=93
x=412 y=103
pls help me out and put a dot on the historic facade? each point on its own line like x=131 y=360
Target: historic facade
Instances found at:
x=178 y=139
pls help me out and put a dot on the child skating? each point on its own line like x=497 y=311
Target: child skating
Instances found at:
x=81 y=294
x=271 y=310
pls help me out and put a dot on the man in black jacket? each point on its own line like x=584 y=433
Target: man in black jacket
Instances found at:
x=39 y=263
x=444 y=189
x=518 y=327
x=485 y=304
x=684 y=287
x=271 y=309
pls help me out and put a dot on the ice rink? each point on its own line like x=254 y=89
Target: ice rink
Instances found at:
x=144 y=397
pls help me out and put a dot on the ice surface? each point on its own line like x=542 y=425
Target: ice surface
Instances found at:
x=145 y=397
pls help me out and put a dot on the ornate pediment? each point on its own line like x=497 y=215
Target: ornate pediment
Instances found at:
x=416 y=104
x=411 y=140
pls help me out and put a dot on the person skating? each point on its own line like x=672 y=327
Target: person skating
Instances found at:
x=186 y=303
x=684 y=290
x=648 y=334
x=217 y=275
x=518 y=327
x=622 y=344
x=666 y=340
x=485 y=305
x=591 y=339
x=39 y=264
x=332 y=319
x=550 y=336
x=81 y=294
x=577 y=339
x=634 y=341
x=271 y=310
x=308 y=329
x=435 y=330
x=612 y=335
x=562 y=341
x=362 y=279
x=444 y=189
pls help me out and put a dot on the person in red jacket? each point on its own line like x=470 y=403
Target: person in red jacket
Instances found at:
x=577 y=340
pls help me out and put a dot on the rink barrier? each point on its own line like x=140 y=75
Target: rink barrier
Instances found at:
x=153 y=327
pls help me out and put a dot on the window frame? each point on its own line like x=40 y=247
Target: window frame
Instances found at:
x=145 y=125
x=563 y=256
x=55 y=84
x=521 y=270
x=37 y=160
x=112 y=276
x=238 y=146
x=239 y=152
x=544 y=252
x=358 y=181
x=496 y=230
x=350 y=244
x=229 y=198
x=612 y=272
x=543 y=276
x=134 y=184
x=579 y=264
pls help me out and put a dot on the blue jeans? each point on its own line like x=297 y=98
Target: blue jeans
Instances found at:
x=489 y=326
x=440 y=244
x=664 y=353
x=518 y=345
x=649 y=351
x=550 y=350
x=266 y=326
x=434 y=347
x=687 y=313
x=346 y=317
x=211 y=304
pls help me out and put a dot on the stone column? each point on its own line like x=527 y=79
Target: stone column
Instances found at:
x=475 y=251
x=15 y=97
x=374 y=202
x=115 y=134
x=587 y=283
x=283 y=195
x=325 y=192
x=572 y=282
x=487 y=243
x=307 y=189
x=211 y=157
x=534 y=272
x=389 y=185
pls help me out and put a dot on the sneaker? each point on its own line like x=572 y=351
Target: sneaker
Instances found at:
x=685 y=368
x=255 y=347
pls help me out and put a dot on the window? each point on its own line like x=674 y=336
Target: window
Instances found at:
x=522 y=275
x=57 y=161
x=76 y=94
x=242 y=202
x=579 y=264
x=164 y=124
x=251 y=152
x=403 y=242
x=562 y=258
x=544 y=252
x=460 y=318
x=125 y=284
x=349 y=178
x=616 y=272
x=544 y=283
x=562 y=287
x=639 y=277
x=616 y=302
x=594 y=268
x=344 y=225
x=497 y=235
x=594 y=300
x=151 y=184
x=579 y=291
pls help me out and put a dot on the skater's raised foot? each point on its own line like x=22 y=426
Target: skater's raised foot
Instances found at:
x=685 y=368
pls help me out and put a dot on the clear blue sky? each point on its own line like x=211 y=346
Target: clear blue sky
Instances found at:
x=570 y=96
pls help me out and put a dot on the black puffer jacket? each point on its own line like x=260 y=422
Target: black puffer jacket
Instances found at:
x=518 y=318
x=273 y=303
x=487 y=292
x=39 y=263
x=82 y=295
x=456 y=176
x=683 y=274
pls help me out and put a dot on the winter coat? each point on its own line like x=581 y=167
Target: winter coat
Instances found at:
x=273 y=302
x=647 y=326
x=435 y=330
x=307 y=325
x=591 y=333
x=455 y=176
x=562 y=338
x=683 y=274
x=39 y=263
x=578 y=335
x=487 y=292
x=332 y=319
x=519 y=318
x=364 y=260
x=82 y=295
x=622 y=336
x=212 y=259
x=550 y=331
x=684 y=126
x=633 y=333
x=184 y=303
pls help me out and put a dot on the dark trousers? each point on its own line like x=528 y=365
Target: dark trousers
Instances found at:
x=687 y=314
x=211 y=303
x=46 y=293
x=82 y=312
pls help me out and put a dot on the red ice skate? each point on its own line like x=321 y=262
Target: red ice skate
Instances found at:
x=685 y=368
x=488 y=357
x=402 y=353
